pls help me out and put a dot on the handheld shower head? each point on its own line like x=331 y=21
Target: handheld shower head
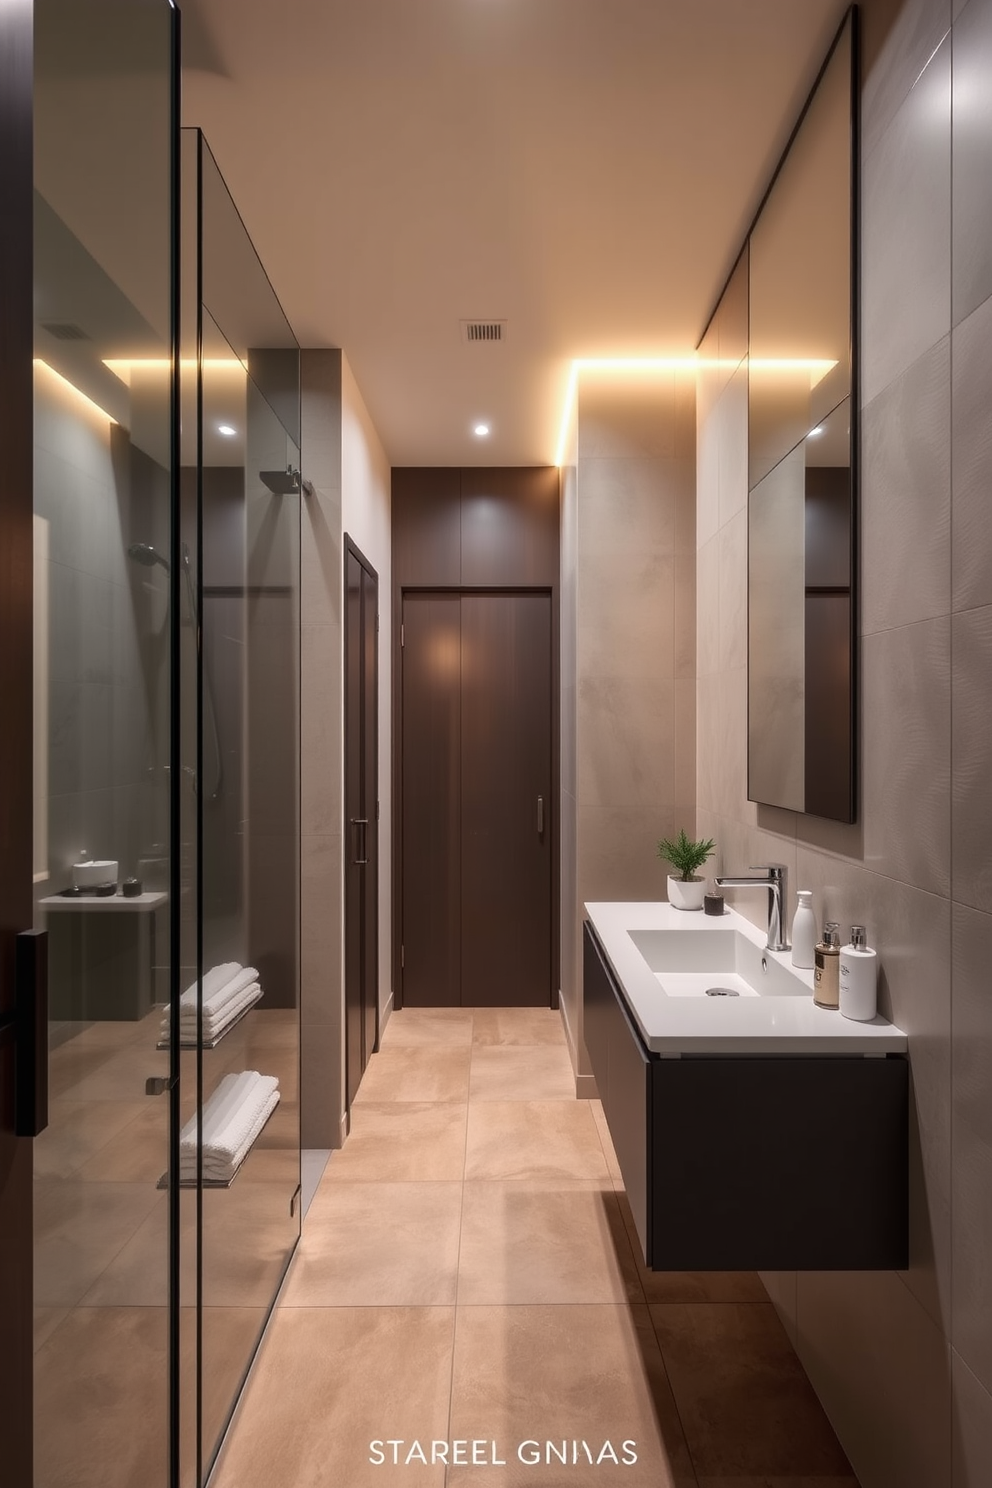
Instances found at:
x=147 y=556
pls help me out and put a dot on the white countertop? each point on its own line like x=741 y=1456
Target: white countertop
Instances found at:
x=105 y=902
x=744 y=1025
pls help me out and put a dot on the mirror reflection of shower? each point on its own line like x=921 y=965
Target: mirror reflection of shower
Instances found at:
x=150 y=557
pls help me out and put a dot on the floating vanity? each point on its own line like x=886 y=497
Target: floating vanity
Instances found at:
x=754 y=1130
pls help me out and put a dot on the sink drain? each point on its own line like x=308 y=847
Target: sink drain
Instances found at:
x=722 y=992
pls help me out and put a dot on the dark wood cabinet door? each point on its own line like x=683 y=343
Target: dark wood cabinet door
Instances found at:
x=431 y=775
x=506 y=800
x=361 y=840
x=477 y=798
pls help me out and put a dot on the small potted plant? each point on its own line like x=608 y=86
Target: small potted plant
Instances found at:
x=685 y=887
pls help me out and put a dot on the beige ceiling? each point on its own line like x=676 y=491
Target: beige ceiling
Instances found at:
x=582 y=169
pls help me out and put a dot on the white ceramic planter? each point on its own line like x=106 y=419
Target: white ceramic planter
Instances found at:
x=686 y=895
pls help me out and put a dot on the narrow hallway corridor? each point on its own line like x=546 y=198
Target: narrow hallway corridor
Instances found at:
x=466 y=1274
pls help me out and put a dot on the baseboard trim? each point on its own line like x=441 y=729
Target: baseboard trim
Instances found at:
x=585 y=1087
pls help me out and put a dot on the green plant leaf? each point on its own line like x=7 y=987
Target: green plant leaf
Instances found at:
x=685 y=855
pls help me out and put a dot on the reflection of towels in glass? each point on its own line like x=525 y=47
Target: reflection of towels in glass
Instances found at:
x=225 y=991
x=231 y=1120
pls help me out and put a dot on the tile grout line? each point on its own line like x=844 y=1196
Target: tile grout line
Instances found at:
x=458 y=1255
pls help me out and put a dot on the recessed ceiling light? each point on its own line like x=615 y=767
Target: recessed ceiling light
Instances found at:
x=814 y=432
x=480 y=431
x=227 y=431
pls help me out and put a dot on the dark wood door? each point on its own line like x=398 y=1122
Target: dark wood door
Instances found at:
x=476 y=876
x=361 y=742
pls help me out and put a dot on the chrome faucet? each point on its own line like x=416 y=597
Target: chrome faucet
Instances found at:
x=773 y=880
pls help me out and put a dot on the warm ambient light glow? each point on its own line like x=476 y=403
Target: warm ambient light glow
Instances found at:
x=480 y=431
x=64 y=382
x=817 y=367
x=227 y=430
x=814 y=432
x=123 y=366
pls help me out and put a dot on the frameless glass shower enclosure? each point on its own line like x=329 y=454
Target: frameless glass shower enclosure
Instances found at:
x=165 y=656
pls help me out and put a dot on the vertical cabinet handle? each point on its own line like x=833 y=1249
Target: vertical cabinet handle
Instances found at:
x=362 y=853
x=31 y=1068
x=540 y=816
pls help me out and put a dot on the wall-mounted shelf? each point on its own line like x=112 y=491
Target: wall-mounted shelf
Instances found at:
x=220 y=1037
x=101 y=903
x=163 y=1182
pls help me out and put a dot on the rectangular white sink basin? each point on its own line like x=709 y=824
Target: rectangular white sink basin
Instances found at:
x=665 y=961
x=714 y=963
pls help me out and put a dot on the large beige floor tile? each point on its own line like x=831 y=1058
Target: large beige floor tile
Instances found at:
x=504 y=1072
x=378 y=1244
x=138 y=1154
x=591 y=1374
x=229 y=1339
x=77 y=1130
x=402 y=1142
x=329 y=1382
x=533 y=1139
x=745 y=1403
x=517 y=1026
x=417 y=1026
x=426 y=1073
x=554 y=1241
x=790 y=1481
x=79 y=1229
x=101 y=1401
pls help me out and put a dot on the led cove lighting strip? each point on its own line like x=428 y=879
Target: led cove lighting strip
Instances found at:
x=817 y=367
x=122 y=367
x=64 y=382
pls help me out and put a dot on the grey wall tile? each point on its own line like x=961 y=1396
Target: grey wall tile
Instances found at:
x=971 y=457
x=880 y=1366
x=618 y=851
x=732 y=581
x=732 y=446
x=625 y=745
x=626 y=625
x=906 y=496
x=906 y=241
x=971 y=1429
x=321 y=908
x=626 y=504
x=906 y=753
x=971 y=973
x=971 y=793
x=898 y=36
x=321 y=1086
x=972 y=159
x=708 y=607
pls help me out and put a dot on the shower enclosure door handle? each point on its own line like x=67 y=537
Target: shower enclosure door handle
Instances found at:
x=31 y=1024
x=362 y=854
x=540 y=816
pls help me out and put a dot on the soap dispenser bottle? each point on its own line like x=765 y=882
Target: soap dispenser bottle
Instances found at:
x=858 y=978
x=826 y=967
x=804 y=931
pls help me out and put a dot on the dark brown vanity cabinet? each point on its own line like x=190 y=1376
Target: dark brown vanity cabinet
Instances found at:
x=732 y=1163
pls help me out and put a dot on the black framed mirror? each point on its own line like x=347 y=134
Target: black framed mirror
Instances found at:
x=802 y=458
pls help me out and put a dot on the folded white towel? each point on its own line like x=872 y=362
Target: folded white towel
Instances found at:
x=214 y=1024
x=216 y=1001
x=231 y=1120
x=213 y=979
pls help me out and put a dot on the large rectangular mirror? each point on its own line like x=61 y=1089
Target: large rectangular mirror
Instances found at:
x=801 y=461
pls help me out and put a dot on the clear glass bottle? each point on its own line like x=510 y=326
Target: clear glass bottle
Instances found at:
x=826 y=967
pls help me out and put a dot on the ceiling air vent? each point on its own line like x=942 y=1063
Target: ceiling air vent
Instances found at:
x=478 y=331
x=64 y=330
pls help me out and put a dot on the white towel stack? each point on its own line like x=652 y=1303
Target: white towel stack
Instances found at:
x=228 y=990
x=231 y=1119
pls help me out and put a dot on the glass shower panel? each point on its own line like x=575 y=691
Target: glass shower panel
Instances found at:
x=104 y=571
x=248 y=565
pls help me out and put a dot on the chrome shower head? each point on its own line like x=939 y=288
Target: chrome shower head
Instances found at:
x=147 y=556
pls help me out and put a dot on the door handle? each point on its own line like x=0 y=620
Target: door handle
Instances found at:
x=361 y=858
x=540 y=816
x=159 y=1084
x=31 y=1020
